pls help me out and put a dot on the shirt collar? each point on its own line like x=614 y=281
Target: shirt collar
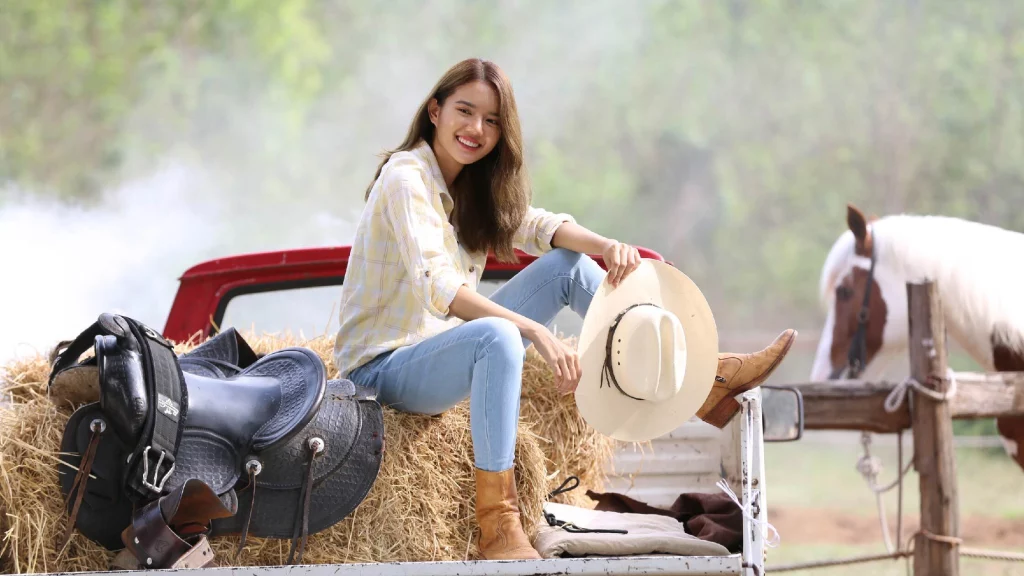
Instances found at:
x=424 y=152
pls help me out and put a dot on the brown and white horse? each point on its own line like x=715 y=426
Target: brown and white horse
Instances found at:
x=980 y=279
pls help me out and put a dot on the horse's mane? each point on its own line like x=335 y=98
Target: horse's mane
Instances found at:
x=977 y=268
x=839 y=259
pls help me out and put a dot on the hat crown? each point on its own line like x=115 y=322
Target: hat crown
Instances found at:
x=649 y=353
x=685 y=380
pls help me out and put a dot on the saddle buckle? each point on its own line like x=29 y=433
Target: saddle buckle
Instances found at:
x=154 y=486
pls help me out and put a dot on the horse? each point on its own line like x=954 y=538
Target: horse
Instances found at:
x=979 y=280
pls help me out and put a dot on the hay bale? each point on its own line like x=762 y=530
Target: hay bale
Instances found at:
x=571 y=447
x=420 y=508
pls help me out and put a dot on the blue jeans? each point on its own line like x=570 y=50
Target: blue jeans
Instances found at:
x=483 y=359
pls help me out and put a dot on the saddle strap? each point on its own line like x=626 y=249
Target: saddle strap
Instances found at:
x=152 y=540
x=152 y=460
x=168 y=528
x=69 y=355
x=199 y=556
x=316 y=447
x=165 y=387
x=254 y=468
x=98 y=427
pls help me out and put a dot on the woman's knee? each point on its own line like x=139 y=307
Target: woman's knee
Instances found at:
x=501 y=338
x=576 y=265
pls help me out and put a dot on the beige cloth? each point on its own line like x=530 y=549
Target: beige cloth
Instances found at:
x=647 y=534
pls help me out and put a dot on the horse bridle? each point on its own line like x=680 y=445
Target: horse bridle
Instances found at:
x=856 y=356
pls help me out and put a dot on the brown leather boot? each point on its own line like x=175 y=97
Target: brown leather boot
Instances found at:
x=497 y=513
x=738 y=373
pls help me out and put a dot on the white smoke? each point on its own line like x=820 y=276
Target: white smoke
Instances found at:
x=65 y=264
x=239 y=173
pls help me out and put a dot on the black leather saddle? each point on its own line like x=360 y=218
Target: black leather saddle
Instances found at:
x=304 y=451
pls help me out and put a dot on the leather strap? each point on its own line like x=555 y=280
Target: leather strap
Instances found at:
x=153 y=458
x=199 y=556
x=856 y=356
x=607 y=371
x=570 y=527
x=154 y=543
x=254 y=467
x=316 y=446
x=98 y=427
x=155 y=535
x=72 y=352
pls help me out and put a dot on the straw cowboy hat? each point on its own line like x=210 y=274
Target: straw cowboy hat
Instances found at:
x=648 y=354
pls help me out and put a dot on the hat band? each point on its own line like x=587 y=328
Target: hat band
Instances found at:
x=607 y=371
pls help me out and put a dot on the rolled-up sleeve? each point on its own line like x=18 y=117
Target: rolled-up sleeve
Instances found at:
x=419 y=231
x=538 y=227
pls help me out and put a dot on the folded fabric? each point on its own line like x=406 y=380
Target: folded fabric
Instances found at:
x=645 y=534
x=712 y=517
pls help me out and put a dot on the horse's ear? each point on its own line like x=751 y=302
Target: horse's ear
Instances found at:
x=859 y=226
x=857 y=223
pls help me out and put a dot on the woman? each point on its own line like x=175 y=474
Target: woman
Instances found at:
x=412 y=324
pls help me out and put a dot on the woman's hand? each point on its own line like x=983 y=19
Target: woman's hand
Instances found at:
x=562 y=359
x=620 y=259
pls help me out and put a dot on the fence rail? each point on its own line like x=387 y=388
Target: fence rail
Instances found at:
x=926 y=403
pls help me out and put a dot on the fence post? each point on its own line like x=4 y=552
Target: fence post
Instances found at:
x=935 y=548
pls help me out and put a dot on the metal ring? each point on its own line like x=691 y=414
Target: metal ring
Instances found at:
x=254 y=467
x=316 y=444
x=98 y=423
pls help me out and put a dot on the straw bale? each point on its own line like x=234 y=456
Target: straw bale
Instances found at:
x=420 y=508
x=571 y=447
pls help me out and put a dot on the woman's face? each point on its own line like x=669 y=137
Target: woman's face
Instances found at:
x=467 y=126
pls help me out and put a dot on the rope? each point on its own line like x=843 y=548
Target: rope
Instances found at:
x=870 y=467
x=842 y=562
x=991 y=554
x=908 y=552
x=769 y=542
x=951 y=540
x=899 y=393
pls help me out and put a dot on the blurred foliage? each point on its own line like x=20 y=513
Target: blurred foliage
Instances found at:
x=977 y=427
x=727 y=135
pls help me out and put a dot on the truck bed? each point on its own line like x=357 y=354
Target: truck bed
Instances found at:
x=661 y=565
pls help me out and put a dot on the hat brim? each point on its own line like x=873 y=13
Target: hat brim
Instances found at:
x=609 y=411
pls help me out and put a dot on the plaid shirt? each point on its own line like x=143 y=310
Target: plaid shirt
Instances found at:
x=406 y=263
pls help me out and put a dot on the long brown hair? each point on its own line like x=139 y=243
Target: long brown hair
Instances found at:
x=491 y=195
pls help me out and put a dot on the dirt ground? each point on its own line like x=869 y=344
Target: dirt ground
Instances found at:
x=830 y=526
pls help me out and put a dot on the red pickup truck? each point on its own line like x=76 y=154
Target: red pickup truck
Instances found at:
x=296 y=290
x=208 y=288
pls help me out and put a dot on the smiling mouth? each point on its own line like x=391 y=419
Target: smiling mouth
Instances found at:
x=467 y=143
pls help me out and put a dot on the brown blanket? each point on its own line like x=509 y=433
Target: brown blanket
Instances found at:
x=712 y=517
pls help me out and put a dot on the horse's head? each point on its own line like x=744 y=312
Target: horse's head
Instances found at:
x=866 y=304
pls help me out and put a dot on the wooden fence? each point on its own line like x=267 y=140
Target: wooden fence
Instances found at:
x=858 y=405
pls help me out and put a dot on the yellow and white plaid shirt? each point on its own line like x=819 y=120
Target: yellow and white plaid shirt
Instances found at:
x=406 y=263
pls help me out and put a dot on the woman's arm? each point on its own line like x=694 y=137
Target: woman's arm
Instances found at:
x=620 y=259
x=572 y=236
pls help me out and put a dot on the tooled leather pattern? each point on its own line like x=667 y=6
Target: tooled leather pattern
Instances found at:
x=337 y=423
x=353 y=432
x=221 y=347
x=210 y=458
x=105 y=510
x=295 y=401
